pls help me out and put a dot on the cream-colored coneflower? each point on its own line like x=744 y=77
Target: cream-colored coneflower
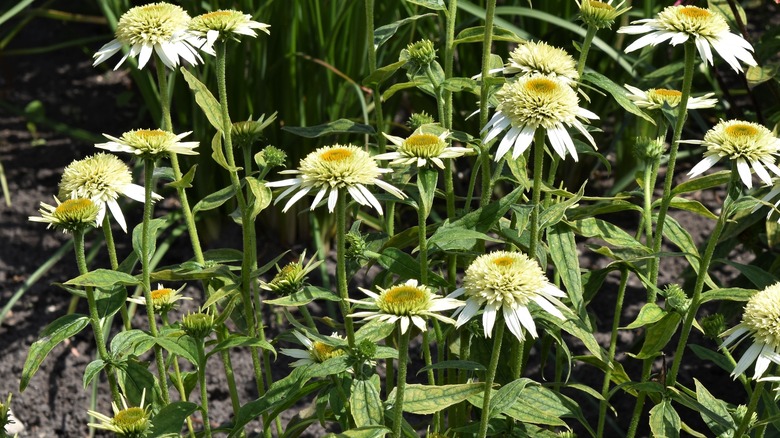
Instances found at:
x=709 y=30
x=128 y=422
x=292 y=277
x=150 y=143
x=761 y=321
x=225 y=24
x=71 y=215
x=164 y=299
x=331 y=169
x=532 y=102
x=101 y=177
x=540 y=58
x=509 y=282
x=421 y=148
x=600 y=14
x=407 y=303
x=316 y=350
x=656 y=98
x=157 y=27
x=747 y=144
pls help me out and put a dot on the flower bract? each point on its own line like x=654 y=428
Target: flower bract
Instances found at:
x=600 y=14
x=656 y=98
x=748 y=145
x=534 y=102
x=225 y=23
x=101 y=177
x=150 y=143
x=507 y=282
x=708 y=29
x=332 y=169
x=407 y=303
x=761 y=322
x=159 y=28
x=422 y=148
x=71 y=215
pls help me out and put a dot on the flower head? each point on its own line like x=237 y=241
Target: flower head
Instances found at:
x=331 y=169
x=151 y=143
x=225 y=23
x=540 y=58
x=69 y=216
x=406 y=303
x=292 y=277
x=198 y=325
x=507 y=281
x=600 y=14
x=316 y=350
x=163 y=299
x=649 y=149
x=656 y=98
x=418 y=55
x=748 y=144
x=709 y=30
x=761 y=321
x=157 y=27
x=129 y=422
x=532 y=102
x=421 y=148
x=101 y=177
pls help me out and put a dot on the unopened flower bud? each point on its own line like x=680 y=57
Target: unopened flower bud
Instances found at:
x=418 y=119
x=198 y=325
x=649 y=149
x=676 y=299
x=713 y=326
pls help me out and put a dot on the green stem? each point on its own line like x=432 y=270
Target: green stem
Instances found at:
x=177 y=374
x=536 y=192
x=754 y=399
x=647 y=367
x=204 y=393
x=94 y=318
x=423 y=243
x=612 y=349
x=341 y=265
x=690 y=57
x=449 y=189
x=491 y=377
x=651 y=170
x=111 y=247
x=463 y=354
x=146 y=265
x=591 y=32
x=487 y=43
x=165 y=102
x=403 y=357
x=690 y=316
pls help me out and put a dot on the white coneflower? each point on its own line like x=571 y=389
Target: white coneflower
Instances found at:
x=407 y=303
x=600 y=14
x=129 y=422
x=157 y=27
x=507 y=282
x=540 y=58
x=316 y=351
x=532 y=102
x=656 y=98
x=71 y=215
x=225 y=23
x=747 y=144
x=709 y=30
x=102 y=177
x=150 y=143
x=164 y=299
x=761 y=321
x=420 y=148
x=330 y=169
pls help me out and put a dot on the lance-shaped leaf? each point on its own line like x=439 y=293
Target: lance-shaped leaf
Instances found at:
x=59 y=330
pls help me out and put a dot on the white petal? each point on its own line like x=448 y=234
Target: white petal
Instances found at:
x=296 y=197
x=506 y=142
x=356 y=195
x=489 y=319
x=513 y=323
x=703 y=165
x=318 y=197
x=744 y=172
x=524 y=140
x=748 y=358
x=557 y=142
x=468 y=311
x=370 y=198
x=135 y=192
x=117 y=213
x=146 y=53
x=493 y=120
x=404 y=324
x=761 y=172
x=496 y=129
x=526 y=320
x=333 y=196
x=547 y=306
x=419 y=322
x=704 y=49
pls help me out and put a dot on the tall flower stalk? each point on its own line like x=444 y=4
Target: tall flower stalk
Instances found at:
x=484 y=154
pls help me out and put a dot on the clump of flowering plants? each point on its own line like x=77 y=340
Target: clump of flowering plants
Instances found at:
x=455 y=231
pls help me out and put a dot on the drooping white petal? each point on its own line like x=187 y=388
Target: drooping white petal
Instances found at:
x=703 y=165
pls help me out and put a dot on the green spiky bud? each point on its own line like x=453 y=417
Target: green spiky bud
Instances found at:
x=713 y=326
x=418 y=119
x=198 y=325
x=676 y=299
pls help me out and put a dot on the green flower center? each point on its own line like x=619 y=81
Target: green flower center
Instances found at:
x=403 y=300
x=131 y=420
x=336 y=154
x=423 y=145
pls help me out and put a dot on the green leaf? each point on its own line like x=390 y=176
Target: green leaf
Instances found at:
x=62 y=328
x=185 y=182
x=465 y=365
x=484 y=218
x=427 y=399
x=505 y=397
x=461 y=84
x=613 y=235
x=649 y=314
x=93 y=369
x=180 y=345
x=214 y=200
x=436 y=5
x=712 y=356
x=756 y=74
x=715 y=412
x=477 y=35
x=374 y=331
x=664 y=421
x=109 y=303
x=658 y=335
x=261 y=196
x=218 y=155
x=365 y=402
x=692 y=206
x=154 y=227
x=103 y=279
x=403 y=86
x=702 y=183
x=382 y=74
x=304 y=297
x=451 y=238
x=362 y=432
x=617 y=92
x=340 y=126
x=135 y=381
x=727 y=294
x=405 y=266
x=759 y=277
x=131 y=342
x=563 y=253
x=683 y=240
x=332 y=366
x=205 y=100
x=171 y=418
x=426 y=185
x=234 y=341
x=538 y=405
x=383 y=33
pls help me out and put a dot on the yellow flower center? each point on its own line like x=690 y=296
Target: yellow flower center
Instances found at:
x=667 y=93
x=741 y=130
x=336 y=154
x=423 y=145
x=322 y=351
x=161 y=294
x=541 y=85
x=601 y=5
x=403 y=300
x=404 y=294
x=150 y=135
x=661 y=96
x=503 y=261
x=131 y=419
x=217 y=14
x=695 y=12
x=73 y=207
